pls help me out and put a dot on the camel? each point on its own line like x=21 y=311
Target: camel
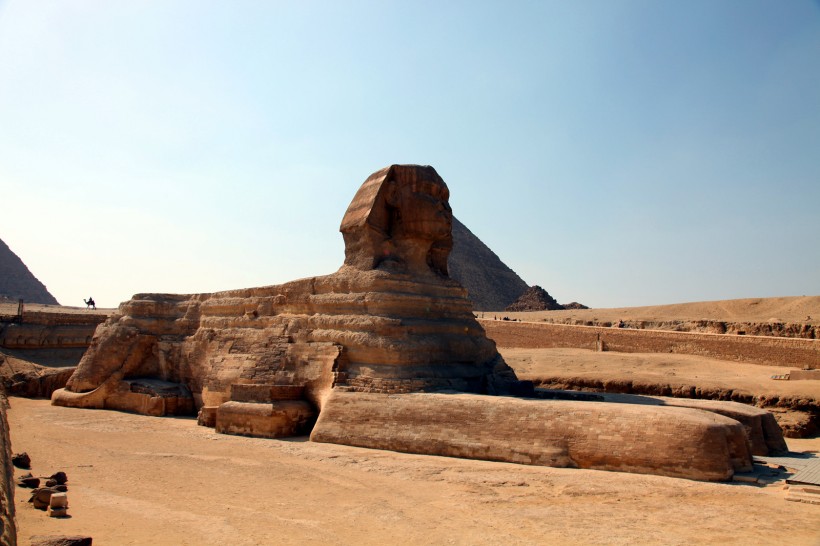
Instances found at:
x=90 y=303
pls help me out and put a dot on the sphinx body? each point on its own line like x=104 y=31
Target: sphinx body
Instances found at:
x=389 y=320
x=371 y=349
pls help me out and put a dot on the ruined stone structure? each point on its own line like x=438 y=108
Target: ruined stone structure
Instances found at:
x=769 y=351
x=39 y=350
x=364 y=348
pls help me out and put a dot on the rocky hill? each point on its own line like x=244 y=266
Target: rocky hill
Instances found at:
x=490 y=284
x=16 y=281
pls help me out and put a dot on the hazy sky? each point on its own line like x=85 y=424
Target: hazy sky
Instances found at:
x=615 y=152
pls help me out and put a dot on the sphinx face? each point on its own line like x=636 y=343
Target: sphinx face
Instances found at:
x=422 y=210
x=400 y=219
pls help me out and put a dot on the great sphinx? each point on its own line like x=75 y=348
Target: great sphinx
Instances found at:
x=384 y=353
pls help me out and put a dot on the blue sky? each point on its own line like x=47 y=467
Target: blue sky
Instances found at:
x=617 y=153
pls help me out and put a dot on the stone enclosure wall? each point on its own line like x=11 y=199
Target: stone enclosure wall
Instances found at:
x=771 y=351
x=50 y=330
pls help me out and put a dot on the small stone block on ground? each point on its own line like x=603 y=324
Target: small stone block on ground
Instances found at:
x=207 y=416
x=57 y=512
x=59 y=500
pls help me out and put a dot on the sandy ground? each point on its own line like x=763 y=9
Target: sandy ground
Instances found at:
x=787 y=309
x=145 y=480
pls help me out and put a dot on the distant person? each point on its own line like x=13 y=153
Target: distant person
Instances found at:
x=621 y=324
x=89 y=303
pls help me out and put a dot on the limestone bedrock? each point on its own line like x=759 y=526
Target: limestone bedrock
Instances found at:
x=389 y=321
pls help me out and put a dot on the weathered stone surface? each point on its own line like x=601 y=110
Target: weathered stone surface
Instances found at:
x=34 y=381
x=677 y=442
x=762 y=430
x=280 y=419
x=206 y=417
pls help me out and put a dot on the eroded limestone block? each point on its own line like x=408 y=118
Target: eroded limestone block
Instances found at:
x=677 y=442
x=279 y=419
x=58 y=500
x=207 y=416
x=53 y=512
x=765 y=435
x=762 y=430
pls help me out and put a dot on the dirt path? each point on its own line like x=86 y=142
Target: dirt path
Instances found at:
x=143 y=480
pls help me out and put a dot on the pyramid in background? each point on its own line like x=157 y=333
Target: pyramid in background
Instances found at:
x=490 y=284
x=17 y=282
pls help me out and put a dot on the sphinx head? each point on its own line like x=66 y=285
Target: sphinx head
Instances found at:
x=400 y=220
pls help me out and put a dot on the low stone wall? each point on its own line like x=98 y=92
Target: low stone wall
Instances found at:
x=677 y=442
x=50 y=330
x=787 y=352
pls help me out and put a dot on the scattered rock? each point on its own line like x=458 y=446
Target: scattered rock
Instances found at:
x=58 y=505
x=59 y=477
x=41 y=497
x=21 y=460
x=27 y=480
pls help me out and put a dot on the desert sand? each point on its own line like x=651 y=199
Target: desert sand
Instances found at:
x=785 y=309
x=146 y=480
